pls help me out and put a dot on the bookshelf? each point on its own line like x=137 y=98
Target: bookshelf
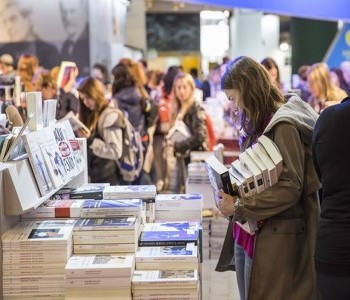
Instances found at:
x=19 y=193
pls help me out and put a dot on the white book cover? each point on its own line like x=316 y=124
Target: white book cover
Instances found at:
x=97 y=283
x=273 y=152
x=37 y=162
x=35 y=107
x=130 y=238
x=259 y=150
x=90 y=266
x=65 y=148
x=129 y=205
x=164 y=278
x=78 y=154
x=246 y=175
x=49 y=112
x=248 y=163
x=179 y=202
x=129 y=191
x=52 y=156
x=104 y=248
x=260 y=165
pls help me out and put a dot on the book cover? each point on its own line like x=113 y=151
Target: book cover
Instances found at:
x=169 y=234
x=35 y=107
x=179 y=202
x=179 y=132
x=124 y=223
x=52 y=156
x=260 y=165
x=65 y=149
x=110 y=206
x=130 y=191
x=259 y=150
x=37 y=162
x=101 y=266
x=273 y=152
x=248 y=163
x=49 y=112
x=76 y=124
x=219 y=178
x=108 y=248
x=65 y=73
x=89 y=191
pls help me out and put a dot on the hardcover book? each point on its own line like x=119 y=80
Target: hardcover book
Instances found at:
x=260 y=165
x=37 y=162
x=247 y=176
x=248 y=163
x=102 y=266
x=219 y=178
x=273 y=152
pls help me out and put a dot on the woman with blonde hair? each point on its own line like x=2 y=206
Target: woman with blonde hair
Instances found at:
x=105 y=141
x=323 y=92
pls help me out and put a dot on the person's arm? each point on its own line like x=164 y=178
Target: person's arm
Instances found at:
x=286 y=193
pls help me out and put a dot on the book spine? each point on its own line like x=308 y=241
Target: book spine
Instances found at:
x=164 y=243
x=122 y=239
x=98 y=283
x=101 y=272
x=94 y=195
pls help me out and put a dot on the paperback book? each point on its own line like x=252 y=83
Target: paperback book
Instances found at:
x=76 y=124
x=124 y=223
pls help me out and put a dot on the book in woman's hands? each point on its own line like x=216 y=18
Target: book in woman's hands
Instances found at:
x=219 y=177
x=75 y=123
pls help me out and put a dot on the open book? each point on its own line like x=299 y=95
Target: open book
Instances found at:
x=75 y=122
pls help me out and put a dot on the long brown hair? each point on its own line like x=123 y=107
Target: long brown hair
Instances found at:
x=259 y=96
x=93 y=89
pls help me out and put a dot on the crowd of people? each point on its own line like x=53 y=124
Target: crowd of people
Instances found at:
x=277 y=262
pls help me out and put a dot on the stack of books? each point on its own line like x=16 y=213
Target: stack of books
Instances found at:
x=147 y=193
x=167 y=257
x=34 y=256
x=99 y=277
x=179 y=207
x=256 y=169
x=107 y=235
x=165 y=284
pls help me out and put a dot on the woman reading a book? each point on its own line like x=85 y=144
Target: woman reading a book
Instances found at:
x=105 y=139
x=276 y=260
x=189 y=118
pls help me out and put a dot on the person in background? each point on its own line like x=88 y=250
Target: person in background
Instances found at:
x=29 y=71
x=6 y=65
x=212 y=86
x=16 y=18
x=332 y=162
x=345 y=68
x=276 y=260
x=337 y=78
x=99 y=71
x=303 y=85
x=272 y=67
x=323 y=92
x=194 y=74
x=105 y=141
x=75 y=48
x=66 y=101
x=186 y=109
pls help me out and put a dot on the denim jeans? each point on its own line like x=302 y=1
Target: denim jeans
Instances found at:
x=243 y=270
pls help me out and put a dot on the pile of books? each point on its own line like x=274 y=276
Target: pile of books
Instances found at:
x=256 y=169
x=165 y=284
x=179 y=207
x=107 y=235
x=99 y=277
x=147 y=193
x=34 y=256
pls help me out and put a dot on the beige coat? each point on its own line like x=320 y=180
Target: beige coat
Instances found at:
x=283 y=262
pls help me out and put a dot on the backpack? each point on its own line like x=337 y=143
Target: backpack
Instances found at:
x=131 y=161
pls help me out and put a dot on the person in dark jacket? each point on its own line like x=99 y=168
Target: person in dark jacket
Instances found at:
x=332 y=162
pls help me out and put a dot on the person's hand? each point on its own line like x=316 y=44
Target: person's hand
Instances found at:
x=4 y=130
x=225 y=203
x=81 y=133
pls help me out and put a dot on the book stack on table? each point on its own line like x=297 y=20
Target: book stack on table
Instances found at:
x=179 y=207
x=101 y=276
x=159 y=284
x=34 y=256
x=147 y=193
x=108 y=235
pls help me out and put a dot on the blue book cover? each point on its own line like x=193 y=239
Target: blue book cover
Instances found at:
x=116 y=223
x=132 y=204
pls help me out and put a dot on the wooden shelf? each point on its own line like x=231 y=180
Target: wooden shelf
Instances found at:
x=20 y=188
